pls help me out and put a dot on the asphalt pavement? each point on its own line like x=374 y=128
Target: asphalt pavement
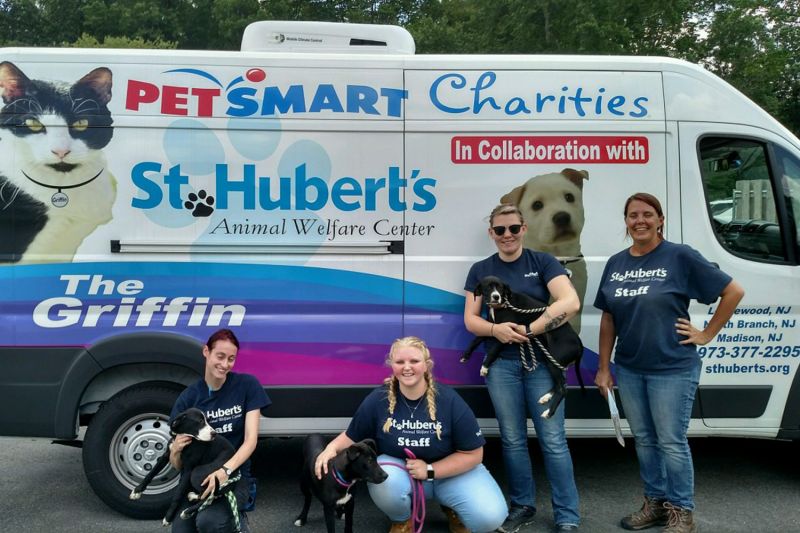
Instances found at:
x=742 y=485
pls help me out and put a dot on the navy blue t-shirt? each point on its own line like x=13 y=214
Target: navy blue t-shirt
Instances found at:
x=528 y=274
x=459 y=428
x=225 y=408
x=647 y=294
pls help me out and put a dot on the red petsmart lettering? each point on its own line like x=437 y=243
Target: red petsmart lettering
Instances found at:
x=174 y=99
x=504 y=149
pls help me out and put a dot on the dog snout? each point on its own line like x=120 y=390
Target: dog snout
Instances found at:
x=562 y=219
x=379 y=476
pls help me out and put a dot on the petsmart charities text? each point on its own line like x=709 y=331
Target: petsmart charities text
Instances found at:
x=551 y=149
x=120 y=308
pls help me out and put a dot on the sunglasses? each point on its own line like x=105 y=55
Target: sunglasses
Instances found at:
x=500 y=230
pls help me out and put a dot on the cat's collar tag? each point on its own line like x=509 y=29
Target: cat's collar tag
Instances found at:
x=59 y=199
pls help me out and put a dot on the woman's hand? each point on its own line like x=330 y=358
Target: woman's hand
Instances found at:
x=604 y=381
x=321 y=463
x=214 y=480
x=417 y=468
x=693 y=335
x=509 y=333
x=180 y=442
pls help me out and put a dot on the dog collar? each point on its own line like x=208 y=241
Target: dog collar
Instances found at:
x=340 y=478
x=568 y=260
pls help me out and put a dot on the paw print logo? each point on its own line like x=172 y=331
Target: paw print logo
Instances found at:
x=200 y=204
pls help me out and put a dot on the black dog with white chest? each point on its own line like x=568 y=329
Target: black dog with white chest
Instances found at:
x=562 y=343
x=206 y=453
x=357 y=462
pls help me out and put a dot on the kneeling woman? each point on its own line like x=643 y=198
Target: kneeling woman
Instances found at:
x=412 y=412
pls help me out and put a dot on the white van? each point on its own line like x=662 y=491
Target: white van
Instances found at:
x=323 y=192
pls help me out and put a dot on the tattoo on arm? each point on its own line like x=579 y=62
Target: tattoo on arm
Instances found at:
x=555 y=322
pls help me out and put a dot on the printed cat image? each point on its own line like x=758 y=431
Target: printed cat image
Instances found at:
x=55 y=187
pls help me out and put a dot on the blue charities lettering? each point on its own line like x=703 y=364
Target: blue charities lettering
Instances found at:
x=453 y=94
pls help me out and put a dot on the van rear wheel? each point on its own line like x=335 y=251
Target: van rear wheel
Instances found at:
x=122 y=444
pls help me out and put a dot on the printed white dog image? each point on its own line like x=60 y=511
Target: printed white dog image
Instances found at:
x=552 y=206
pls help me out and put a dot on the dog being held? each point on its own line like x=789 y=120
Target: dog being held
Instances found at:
x=552 y=207
x=357 y=462
x=562 y=343
x=206 y=453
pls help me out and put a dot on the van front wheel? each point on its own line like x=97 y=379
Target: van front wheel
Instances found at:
x=122 y=444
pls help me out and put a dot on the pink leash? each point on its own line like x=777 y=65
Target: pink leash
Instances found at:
x=417 y=495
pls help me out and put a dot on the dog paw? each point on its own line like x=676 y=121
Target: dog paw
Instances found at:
x=299 y=523
x=546 y=414
x=484 y=371
x=165 y=522
x=462 y=360
x=200 y=204
x=185 y=514
x=192 y=496
x=545 y=398
x=135 y=495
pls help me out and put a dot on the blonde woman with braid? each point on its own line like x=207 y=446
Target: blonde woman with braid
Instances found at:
x=412 y=412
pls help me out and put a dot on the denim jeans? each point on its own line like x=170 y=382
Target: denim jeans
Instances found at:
x=658 y=408
x=474 y=495
x=515 y=393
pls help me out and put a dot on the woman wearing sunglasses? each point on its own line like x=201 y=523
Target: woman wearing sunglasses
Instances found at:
x=514 y=388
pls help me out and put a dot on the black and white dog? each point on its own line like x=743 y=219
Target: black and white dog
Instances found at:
x=563 y=344
x=358 y=462
x=205 y=454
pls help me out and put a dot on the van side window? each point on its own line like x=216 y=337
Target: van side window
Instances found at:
x=789 y=171
x=740 y=198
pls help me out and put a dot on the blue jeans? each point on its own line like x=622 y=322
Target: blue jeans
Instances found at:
x=658 y=408
x=473 y=495
x=515 y=393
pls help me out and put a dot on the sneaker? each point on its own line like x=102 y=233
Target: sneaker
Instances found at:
x=518 y=517
x=680 y=520
x=651 y=514
x=561 y=528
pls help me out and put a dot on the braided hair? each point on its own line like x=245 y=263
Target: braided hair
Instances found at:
x=393 y=385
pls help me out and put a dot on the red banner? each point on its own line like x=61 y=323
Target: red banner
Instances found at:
x=511 y=149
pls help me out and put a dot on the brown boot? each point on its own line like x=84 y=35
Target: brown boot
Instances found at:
x=455 y=523
x=651 y=514
x=680 y=520
x=402 y=527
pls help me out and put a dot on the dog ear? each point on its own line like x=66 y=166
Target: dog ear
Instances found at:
x=506 y=291
x=177 y=420
x=478 y=291
x=353 y=452
x=514 y=196
x=575 y=176
x=371 y=444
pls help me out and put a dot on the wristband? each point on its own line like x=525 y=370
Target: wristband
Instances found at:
x=528 y=332
x=491 y=331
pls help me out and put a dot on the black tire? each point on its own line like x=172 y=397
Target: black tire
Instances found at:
x=124 y=440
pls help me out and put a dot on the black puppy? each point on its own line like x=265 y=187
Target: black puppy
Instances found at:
x=357 y=462
x=562 y=343
x=205 y=454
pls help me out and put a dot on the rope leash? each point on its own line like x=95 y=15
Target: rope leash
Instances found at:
x=231 y=497
x=417 y=494
x=527 y=344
